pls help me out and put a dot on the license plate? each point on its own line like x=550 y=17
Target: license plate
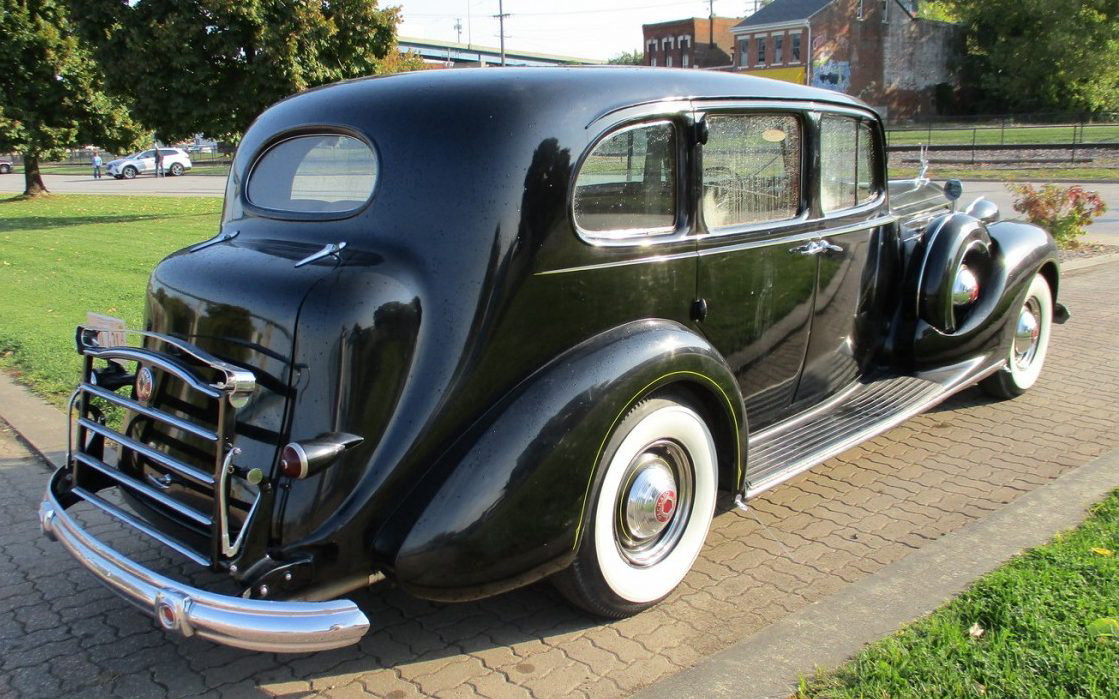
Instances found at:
x=111 y=331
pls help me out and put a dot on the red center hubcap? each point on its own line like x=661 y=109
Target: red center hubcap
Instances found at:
x=666 y=503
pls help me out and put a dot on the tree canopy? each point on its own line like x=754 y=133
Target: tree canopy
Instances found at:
x=1042 y=55
x=628 y=58
x=50 y=90
x=190 y=66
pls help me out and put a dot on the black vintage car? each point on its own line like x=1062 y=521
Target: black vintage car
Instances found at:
x=472 y=329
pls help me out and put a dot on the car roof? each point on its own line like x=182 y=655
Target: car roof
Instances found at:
x=588 y=89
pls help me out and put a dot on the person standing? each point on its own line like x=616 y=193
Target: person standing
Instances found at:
x=158 y=162
x=96 y=165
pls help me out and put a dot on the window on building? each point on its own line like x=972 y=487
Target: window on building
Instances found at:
x=668 y=61
x=760 y=41
x=627 y=185
x=794 y=48
x=751 y=169
x=684 y=61
x=847 y=157
x=858 y=9
x=744 y=53
x=885 y=11
x=653 y=61
x=778 y=49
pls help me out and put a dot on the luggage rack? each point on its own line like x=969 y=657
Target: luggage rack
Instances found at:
x=231 y=388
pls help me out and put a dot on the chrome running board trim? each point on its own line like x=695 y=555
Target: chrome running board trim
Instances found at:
x=853 y=416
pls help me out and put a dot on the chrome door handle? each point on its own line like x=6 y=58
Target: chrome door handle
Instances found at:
x=812 y=247
x=815 y=247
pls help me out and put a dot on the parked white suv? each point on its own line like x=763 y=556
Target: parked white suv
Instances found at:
x=175 y=162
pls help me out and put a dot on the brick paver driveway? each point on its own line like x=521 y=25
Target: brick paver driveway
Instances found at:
x=62 y=633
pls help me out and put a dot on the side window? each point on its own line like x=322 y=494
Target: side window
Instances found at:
x=847 y=156
x=751 y=169
x=627 y=185
x=147 y=154
x=168 y=151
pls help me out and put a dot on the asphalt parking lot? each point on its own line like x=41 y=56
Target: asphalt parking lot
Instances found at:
x=61 y=633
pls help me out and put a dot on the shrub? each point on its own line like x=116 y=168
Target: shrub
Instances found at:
x=1063 y=212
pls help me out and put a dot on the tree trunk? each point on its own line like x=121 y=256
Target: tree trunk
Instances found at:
x=32 y=179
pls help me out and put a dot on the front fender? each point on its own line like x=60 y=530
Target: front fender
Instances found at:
x=1018 y=251
x=506 y=505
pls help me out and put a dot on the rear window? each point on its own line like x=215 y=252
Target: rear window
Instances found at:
x=327 y=173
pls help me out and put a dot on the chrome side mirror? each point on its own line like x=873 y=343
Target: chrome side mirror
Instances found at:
x=983 y=209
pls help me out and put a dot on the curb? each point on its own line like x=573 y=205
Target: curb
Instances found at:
x=39 y=425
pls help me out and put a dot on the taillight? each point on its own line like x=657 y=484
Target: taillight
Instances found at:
x=307 y=457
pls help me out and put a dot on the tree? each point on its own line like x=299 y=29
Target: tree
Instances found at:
x=1042 y=55
x=628 y=58
x=941 y=10
x=50 y=90
x=211 y=66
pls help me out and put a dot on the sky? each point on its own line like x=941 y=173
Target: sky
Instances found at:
x=581 y=28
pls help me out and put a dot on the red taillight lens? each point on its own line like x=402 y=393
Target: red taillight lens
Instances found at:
x=292 y=464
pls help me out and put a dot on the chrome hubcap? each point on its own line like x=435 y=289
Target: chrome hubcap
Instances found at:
x=1027 y=333
x=653 y=503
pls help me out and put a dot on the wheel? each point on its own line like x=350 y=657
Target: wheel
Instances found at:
x=176 y=169
x=129 y=173
x=650 y=513
x=1029 y=346
x=5 y=169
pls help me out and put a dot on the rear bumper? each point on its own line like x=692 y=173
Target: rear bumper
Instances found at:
x=283 y=627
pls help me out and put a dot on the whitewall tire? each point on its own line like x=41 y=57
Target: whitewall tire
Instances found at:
x=1029 y=344
x=651 y=511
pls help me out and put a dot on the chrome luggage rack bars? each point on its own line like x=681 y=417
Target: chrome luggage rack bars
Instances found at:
x=233 y=389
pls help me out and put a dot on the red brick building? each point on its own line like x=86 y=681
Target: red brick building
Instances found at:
x=690 y=43
x=877 y=50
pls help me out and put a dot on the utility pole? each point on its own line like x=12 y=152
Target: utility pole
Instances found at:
x=711 y=24
x=501 y=15
x=458 y=29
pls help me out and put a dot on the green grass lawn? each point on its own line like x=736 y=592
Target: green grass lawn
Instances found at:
x=1037 y=627
x=992 y=135
x=63 y=255
x=1038 y=174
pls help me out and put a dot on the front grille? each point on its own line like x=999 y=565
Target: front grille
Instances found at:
x=175 y=452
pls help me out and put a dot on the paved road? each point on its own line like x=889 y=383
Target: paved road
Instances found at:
x=189 y=185
x=1104 y=230
x=61 y=633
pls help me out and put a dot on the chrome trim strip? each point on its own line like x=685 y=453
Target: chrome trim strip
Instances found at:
x=159 y=457
x=128 y=482
x=276 y=626
x=744 y=245
x=135 y=354
x=153 y=413
x=132 y=521
x=966 y=375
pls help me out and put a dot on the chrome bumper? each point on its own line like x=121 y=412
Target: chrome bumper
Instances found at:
x=283 y=627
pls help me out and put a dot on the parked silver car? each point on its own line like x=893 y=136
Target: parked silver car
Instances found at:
x=175 y=162
x=5 y=166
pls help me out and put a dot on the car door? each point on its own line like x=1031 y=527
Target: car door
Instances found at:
x=852 y=205
x=145 y=162
x=757 y=289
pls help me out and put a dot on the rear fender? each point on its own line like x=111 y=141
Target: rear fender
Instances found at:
x=506 y=505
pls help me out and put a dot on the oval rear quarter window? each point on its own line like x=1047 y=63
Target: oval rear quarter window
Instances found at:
x=326 y=173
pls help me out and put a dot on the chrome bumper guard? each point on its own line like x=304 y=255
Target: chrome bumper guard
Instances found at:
x=277 y=626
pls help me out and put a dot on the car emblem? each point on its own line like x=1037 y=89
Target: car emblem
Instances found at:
x=145 y=382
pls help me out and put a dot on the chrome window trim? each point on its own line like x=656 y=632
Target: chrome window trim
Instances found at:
x=628 y=237
x=805 y=207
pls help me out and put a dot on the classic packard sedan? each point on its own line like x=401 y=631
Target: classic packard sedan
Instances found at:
x=467 y=330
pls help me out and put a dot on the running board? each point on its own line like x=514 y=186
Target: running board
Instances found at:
x=862 y=411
